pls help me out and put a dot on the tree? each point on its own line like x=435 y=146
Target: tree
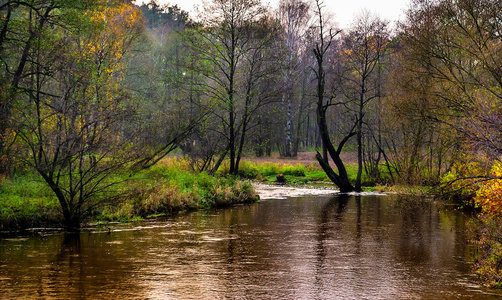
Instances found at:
x=72 y=110
x=231 y=44
x=21 y=22
x=364 y=47
x=325 y=38
x=294 y=16
x=260 y=70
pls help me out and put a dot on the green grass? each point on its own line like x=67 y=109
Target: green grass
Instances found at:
x=26 y=201
x=168 y=187
x=294 y=174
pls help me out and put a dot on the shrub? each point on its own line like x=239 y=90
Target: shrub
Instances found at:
x=487 y=235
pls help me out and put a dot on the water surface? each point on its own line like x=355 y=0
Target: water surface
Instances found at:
x=315 y=247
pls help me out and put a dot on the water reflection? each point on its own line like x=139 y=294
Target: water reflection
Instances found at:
x=337 y=247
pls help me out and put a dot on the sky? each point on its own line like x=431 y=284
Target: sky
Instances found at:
x=344 y=10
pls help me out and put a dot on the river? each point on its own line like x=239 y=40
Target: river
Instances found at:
x=304 y=247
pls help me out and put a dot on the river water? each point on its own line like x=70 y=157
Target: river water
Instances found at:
x=311 y=247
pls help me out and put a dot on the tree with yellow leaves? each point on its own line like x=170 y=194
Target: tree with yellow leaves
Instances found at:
x=73 y=109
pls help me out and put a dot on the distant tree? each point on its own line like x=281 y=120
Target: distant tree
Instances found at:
x=364 y=48
x=294 y=17
x=157 y=15
x=167 y=92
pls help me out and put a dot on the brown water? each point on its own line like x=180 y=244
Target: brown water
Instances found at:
x=317 y=247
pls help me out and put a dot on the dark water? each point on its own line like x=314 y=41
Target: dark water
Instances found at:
x=370 y=247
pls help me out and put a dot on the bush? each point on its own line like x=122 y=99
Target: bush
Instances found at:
x=487 y=235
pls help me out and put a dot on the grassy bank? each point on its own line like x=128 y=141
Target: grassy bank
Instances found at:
x=27 y=201
x=169 y=187
x=294 y=174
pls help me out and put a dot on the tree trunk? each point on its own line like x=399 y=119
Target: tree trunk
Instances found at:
x=342 y=182
x=360 y=141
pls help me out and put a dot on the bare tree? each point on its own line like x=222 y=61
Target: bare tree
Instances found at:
x=295 y=19
x=232 y=42
x=363 y=49
x=325 y=39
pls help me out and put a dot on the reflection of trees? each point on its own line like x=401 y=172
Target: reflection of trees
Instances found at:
x=414 y=243
x=88 y=265
x=64 y=269
x=328 y=225
x=358 y=225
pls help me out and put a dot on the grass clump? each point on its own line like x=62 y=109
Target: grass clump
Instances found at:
x=170 y=187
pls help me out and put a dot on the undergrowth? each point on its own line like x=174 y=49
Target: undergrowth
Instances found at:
x=168 y=187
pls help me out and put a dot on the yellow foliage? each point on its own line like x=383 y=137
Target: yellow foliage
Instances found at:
x=475 y=180
x=464 y=177
x=489 y=194
x=113 y=26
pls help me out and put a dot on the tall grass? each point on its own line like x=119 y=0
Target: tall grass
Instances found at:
x=171 y=186
x=168 y=187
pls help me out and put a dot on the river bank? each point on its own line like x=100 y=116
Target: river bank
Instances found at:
x=168 y=188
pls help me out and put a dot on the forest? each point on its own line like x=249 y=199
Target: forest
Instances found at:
x=105 y=104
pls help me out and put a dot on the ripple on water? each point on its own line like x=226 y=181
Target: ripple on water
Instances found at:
x=327 y=246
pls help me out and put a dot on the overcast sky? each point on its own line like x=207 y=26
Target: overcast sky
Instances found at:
x=344 y=10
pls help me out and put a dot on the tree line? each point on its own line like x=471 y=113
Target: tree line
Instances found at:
x=90 y=89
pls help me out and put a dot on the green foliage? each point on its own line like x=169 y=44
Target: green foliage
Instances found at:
x=486 y=234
